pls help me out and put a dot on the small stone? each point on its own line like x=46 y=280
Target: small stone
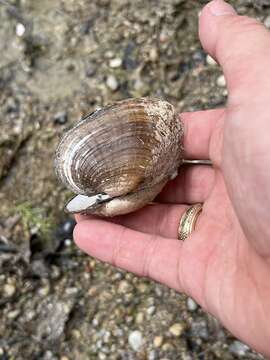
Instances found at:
x=210 y=61
x=139 y=318
x=191 y=304
x=102 y=356
x=199 y=329
x=158 y=340
x=60 y=118
x=9 y=290
x=13 y=314
x=166 y=347
x=20 y=29
x=124 y=287
x=151 y=310
x=135 y=340
x=152 y=355
x=64 y=358
x=267 y=22
x=68 y=242
x=115 y=63
x=2 y=352
x=112 y=83
x=238 y=348
x=176 y=329
x=44 y=291
x=153 y=54
x=221 y=81
x=76 y=333
x=109 y=54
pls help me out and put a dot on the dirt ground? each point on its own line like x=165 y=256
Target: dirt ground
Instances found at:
x=59 y=61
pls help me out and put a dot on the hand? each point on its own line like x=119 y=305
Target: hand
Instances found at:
x=225 y=263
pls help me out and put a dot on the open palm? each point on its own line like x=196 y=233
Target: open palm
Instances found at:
x=224 y=263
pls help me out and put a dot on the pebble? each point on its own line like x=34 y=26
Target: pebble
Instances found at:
x=115 y=63
x=221 y=81
x=139 y=318
x=60 y=118
x=158 y=340
x=20 y=29
x=267 y=22
x=13 y=314
x=44 y=291
x=9 y=290
x=64 y=358
x=210 y=61
x=152 y=355
x=112 y=83
x=2 y=351
x=199 y=329
x=135 y=340
x=191 y=304
x=124 y=287
x=153 y=54
x=102 y=356
x=176 y=329
x=151 y=310
x=238 y=348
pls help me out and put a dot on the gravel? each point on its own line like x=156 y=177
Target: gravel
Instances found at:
x=135 y=340
x=70 y=59
x=239 y=349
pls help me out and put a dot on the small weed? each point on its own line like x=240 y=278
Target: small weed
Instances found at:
x=35 y=218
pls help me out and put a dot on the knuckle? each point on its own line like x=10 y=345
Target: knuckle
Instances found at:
x=149 y=255
x=117 y=248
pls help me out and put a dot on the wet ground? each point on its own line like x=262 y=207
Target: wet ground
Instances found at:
x=59 y=61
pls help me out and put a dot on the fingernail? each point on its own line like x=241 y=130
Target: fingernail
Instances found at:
x=220 y=7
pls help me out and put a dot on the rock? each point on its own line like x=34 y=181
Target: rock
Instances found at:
x=238 y=348
x=60 y=118
x=64 y=358
x=152 y=355
x=151 y=310
x=13 y=314
x=153 y=54
x=139 y=318
x=210 y=61
x=199 y=329
x=124 y=287
x=52 y=316
x=9 y=290
x=191 y=304
x=44 y=291
x=135 y=340
x=158 y=340
x=176 y=329
x=112 y=83
x=267 y=22
x=20 y=29
x=221 y=81
x=115 y=63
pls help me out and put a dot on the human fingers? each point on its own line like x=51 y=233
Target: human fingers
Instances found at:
x=240 y=44
x=143 y=254
x=156 y=219
x=192 y=185
x=199 y=128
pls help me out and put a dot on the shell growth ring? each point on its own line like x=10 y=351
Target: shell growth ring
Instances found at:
x=188 y=221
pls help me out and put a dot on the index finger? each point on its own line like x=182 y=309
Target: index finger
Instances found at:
x=198 y=129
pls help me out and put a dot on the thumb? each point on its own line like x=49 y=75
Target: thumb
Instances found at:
x=240 y=44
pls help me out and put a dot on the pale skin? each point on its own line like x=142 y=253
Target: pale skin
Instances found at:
x=225 y=263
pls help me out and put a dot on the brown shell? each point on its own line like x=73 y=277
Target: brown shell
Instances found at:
x=125 y=148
